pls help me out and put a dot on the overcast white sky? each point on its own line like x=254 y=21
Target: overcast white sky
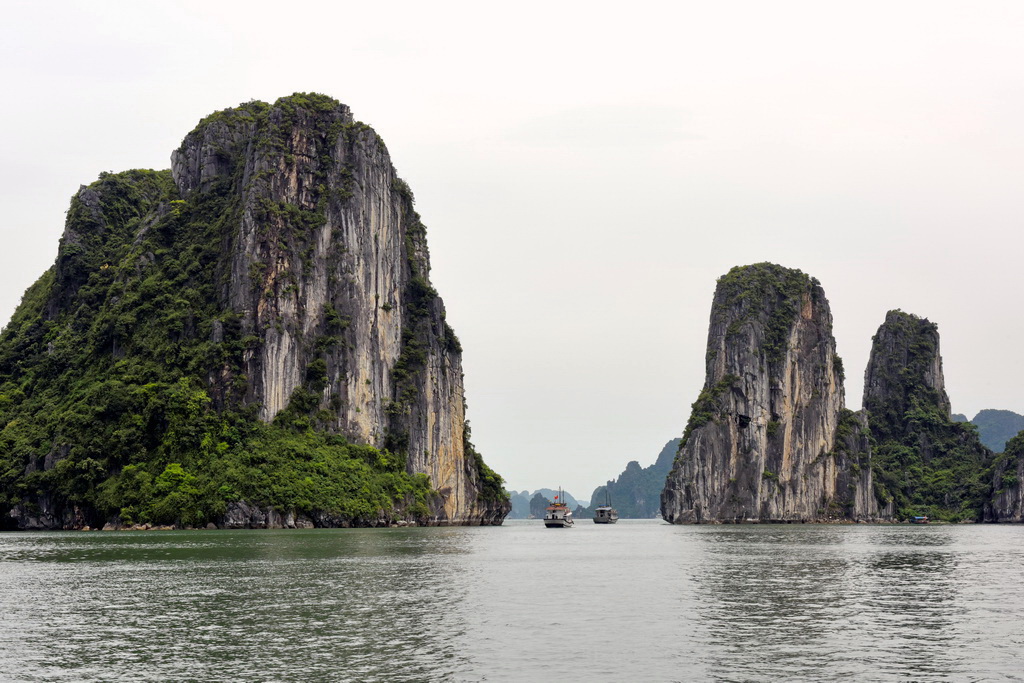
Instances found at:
x=586 y=171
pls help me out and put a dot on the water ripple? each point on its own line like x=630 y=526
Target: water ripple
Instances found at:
x=636 y=601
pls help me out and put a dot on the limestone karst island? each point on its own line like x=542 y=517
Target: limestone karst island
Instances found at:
x=248 y=339
x=251 y=339
x=770 y=439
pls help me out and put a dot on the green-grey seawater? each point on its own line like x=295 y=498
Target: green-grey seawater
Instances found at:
x=640 y=600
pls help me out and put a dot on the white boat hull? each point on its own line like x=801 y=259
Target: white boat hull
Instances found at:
x=557 y=515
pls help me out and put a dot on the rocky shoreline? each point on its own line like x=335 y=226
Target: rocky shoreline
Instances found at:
x=242 y=515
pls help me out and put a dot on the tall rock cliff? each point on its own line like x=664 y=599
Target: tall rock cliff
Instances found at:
x=904 y=370
x=768 y=438
x=280 y=273
x=925 y=463
x=1007 y=501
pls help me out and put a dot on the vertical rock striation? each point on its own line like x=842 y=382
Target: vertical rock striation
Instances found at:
x=1007 y=502
x=904 y=370
x=768 y=439
x=329 y=269
x=249 y=338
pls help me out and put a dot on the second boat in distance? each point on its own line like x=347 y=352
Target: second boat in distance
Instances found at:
x=606 y=514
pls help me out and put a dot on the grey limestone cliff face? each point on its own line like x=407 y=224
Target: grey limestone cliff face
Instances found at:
x=1007 y=502
x=769 y=439
x=904 y=344
x=328 y=260
x=922 y=461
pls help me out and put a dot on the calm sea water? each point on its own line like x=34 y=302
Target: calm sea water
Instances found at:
x=637 y=601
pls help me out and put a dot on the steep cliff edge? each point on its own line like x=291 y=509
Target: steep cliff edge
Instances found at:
x=904 y=371
x=255 y=329
x=923 y=461
x=1007 y=501
x=768 y=438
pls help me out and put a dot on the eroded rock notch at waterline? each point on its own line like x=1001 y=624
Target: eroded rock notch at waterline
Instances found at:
x=769 y=438
x=256 y=326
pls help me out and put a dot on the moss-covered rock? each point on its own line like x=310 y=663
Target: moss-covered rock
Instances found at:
x=923 y=461
x=255 y=326
x=765 y=441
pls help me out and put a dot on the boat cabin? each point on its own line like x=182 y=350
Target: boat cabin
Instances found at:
x=557 y=515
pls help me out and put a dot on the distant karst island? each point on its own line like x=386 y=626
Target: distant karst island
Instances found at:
x=769 y=439
x=995 y=427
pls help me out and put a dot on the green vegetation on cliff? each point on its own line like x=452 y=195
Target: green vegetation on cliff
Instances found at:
x=105 y=394
x=765 y=288
x=492 y=485
x=121 y=372
x=922 y=460
x=997 y=427
x=1008 y=463
x=707 y=407
x=636 y=492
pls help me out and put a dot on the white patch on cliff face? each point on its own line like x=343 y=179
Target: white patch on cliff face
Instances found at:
x=442 y=448
x=281 y=374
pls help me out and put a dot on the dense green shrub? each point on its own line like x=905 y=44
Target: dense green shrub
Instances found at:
x=707 y=406
x=748 y=291
x=107 y=397
x=922 y=460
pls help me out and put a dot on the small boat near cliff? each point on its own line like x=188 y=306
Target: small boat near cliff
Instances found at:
x=558 y=515
x=919 y=520
x=606 y=514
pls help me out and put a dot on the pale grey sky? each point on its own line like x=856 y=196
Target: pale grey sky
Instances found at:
x=586 y=171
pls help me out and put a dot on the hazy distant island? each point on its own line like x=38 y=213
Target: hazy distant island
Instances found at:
x=769 y=439
x=526 y=504
x=635 y=493
x=995 y=427
x=248 y=339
